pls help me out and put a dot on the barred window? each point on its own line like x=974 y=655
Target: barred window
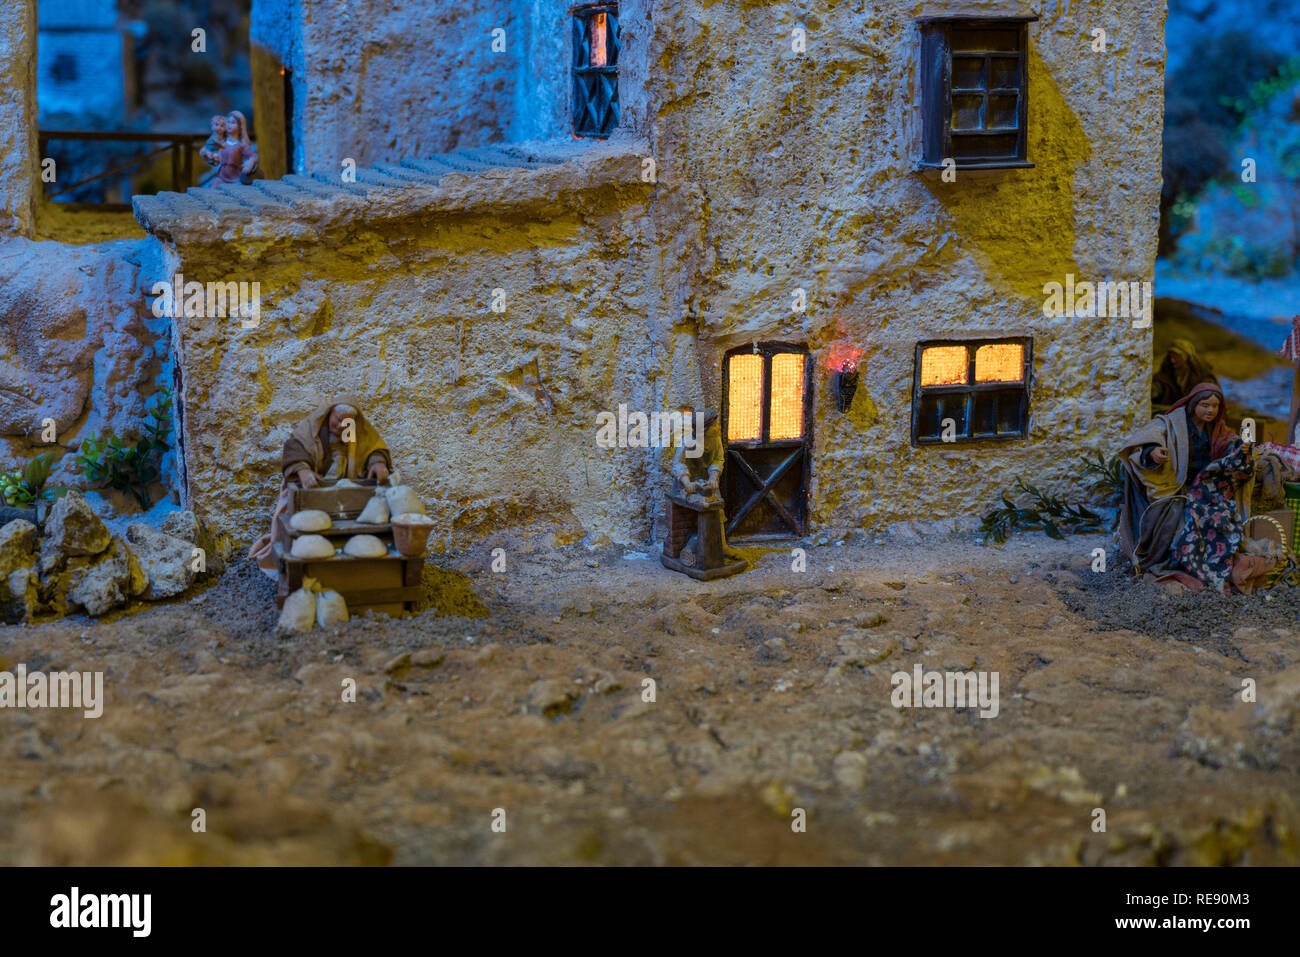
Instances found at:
x=974 y=92
x=971 y=391
x=595 y=69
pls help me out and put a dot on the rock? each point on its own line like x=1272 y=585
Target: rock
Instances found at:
x=109 y=582
x=166 y=560
x=74 y=528
x=19 y=597
x=186 y=526
x=17 y=545
x=183 y=525
x=550 y=697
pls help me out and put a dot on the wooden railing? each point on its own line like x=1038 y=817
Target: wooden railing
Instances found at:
x=181 y=146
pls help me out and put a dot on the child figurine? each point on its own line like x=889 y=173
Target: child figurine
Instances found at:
x=212 y=147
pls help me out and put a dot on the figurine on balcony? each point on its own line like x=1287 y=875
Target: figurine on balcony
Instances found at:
x=212 y=148
x=237 y=158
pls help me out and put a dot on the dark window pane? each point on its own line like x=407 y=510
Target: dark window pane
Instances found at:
x=1005 y=72
x=967 y=73
x=968 y=40
x=1004 y=112
x=933 y=409
x=984 y=147
x=997 y=413
x=966 y=112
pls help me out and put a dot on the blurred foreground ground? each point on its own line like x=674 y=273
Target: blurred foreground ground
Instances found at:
x=773 y=693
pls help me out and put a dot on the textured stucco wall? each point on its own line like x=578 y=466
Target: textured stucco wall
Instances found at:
x=18 y=166
x=776 y=170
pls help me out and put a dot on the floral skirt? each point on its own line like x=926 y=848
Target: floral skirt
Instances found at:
x=1212 y=530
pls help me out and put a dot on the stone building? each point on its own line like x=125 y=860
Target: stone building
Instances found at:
x=834 y=223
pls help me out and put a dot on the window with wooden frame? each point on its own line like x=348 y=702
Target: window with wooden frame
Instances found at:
x=595 y=69
x=975 y=92
x=972 y=391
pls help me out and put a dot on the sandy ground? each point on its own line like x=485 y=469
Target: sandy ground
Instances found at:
x=772 y=696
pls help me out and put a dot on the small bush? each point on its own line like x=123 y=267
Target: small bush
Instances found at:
x=23 y=487
x=129 y=466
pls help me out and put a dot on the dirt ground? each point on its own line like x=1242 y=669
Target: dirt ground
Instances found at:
x=772 y=695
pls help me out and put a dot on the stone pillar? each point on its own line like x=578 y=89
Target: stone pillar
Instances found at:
x=19 y=178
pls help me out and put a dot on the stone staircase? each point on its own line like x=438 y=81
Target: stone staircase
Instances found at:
x=228 y=205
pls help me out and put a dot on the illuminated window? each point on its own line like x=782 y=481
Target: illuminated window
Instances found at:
x=766 y=395
x=595 y=69
x=745 y=398
x=974 y=92
x=971 y=391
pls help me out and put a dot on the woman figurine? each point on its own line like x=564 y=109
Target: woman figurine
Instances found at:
x=1180 y=369
x=1187 y=483
x=237 y=159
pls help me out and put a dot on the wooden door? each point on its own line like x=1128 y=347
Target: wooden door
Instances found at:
x=767 y=429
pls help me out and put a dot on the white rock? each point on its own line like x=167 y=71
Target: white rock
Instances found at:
x=74 y=528
x=165 y=559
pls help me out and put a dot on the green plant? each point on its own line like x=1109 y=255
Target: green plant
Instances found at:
x=1105 y=476
x=26 y=485
x=130 y=466
x=1047 y=512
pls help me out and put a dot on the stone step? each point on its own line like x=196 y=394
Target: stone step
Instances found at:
x=320 y=188
x=220 y=203
x=543 y=155
x=432 y=167
x=374 y=177
x=254 y=199
x=359 y=188
x=407 y=174
x=495 y=156
x=461 y=163
x=165 y=208
x=285 y=193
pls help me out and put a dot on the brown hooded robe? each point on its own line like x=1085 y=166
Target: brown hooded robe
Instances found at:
x=308 y=444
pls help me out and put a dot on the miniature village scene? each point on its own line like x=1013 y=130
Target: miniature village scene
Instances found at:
x=499 y=432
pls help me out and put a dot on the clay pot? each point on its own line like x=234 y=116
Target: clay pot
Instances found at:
x=411 y=539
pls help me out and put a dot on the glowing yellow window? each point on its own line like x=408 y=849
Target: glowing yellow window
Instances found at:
x=944 y=365
x=745 y=398
x=999 y=362
x=786 y=412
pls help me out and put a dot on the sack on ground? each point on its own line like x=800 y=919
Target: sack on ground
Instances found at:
x=299 y=611
x=331 y=609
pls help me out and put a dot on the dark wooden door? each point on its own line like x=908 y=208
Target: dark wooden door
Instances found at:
x=767 y=428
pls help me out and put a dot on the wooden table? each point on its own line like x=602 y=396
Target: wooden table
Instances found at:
x=704 y=520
